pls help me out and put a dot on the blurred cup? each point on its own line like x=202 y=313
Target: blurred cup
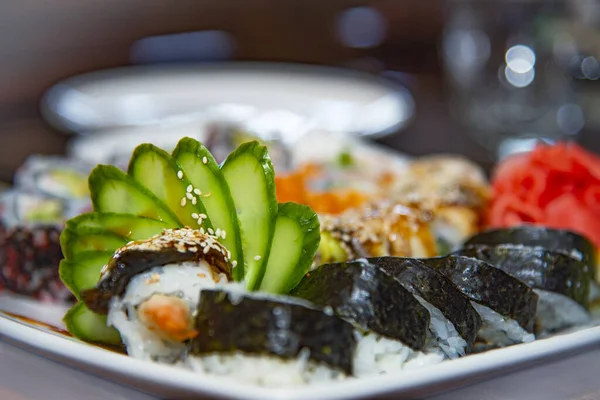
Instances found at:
x=505 y=73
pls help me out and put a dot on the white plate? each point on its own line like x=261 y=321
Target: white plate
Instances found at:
x=266 y=96
x=169 y=382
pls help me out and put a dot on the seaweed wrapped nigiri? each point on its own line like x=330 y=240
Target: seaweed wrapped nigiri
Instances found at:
x=392 y=325
x=506 y=305
x=269 y=340
x=561 y=282
x=454 y=322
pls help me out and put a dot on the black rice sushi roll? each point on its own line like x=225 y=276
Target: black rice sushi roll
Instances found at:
x=506 y=305
x=29 y=258
x=392 y=326
x=454 y=322
x=287 y=341
x=561 y=282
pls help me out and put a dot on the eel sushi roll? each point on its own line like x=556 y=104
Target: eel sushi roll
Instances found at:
x=150 y=290
x=286 y=341
x=453 y=189
x=561 y=282
x=391 y=324
x=506 y=305
x=454 y=322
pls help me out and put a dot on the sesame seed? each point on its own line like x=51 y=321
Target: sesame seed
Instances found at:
x=204 y=160
x=233 y=264
x=193 y=249
x=194 y=200
x=203 y=216
x=195 y=216
x=180 y=174
x=223 y=234
x=206 y=194
x=256 y=258
x=202 y=231
x=189 y=196
x=211 y=231
x=218 y=232
x=206 y=249
x=183 y=202
x=197 y=191
x=199 y=221
x=189 y=189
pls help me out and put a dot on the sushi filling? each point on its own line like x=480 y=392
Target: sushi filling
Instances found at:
x=443 y=335
x=498 y=330
x=556 y=312
x=155 y=315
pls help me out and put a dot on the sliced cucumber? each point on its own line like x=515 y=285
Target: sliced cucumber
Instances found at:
x=86 y=325
x=158 y=172
x=293 y=249
x=112 y=190
x=200 y=167
x=251 y=179
x=127 y=226
x=75 y=243
x=84 y=272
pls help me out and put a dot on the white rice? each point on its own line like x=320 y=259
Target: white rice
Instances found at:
x=377 y=355
x=442 y=333
x=500 y=330
x=556 y=312
x=264 y=370
x=184 y=280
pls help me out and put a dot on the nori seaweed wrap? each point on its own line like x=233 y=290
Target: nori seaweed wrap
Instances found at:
x=538 y=268
x=368 y=297
x=229 y=322
x=555 y=240
x=490 y=287
x=436 y=289
x=174 y=246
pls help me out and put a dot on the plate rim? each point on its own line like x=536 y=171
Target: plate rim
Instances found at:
x=93 y=359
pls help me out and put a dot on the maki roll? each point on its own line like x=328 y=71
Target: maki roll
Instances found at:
x=506 y=305
x=454 y=322
x=29 y=259
x=561 y=282
x=392 y=326
x=285 y=342
x=379 y=229
x=149 y=290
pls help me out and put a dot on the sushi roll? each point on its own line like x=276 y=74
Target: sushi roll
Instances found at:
x=454 y=322
x=285 y=342
x=56 y=177
x=506 y=305
x=555 y=240
x=29 y=259
x=561 y=282
x=377 y=230
x=453 y=189
x=149 y=290
x=392 y=326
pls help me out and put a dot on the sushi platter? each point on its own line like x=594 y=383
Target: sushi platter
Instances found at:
x=245 y=269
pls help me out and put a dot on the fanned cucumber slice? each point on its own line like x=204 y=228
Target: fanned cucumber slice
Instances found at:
x=200 y=167
x=156 y=170
x=251 y=179
x=84 y=240
x=293 y=249
x=84 y=272
x=112 y=190
x=86 y=325
x=128 y=226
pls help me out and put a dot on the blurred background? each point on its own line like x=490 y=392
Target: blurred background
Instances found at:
x=487 y=78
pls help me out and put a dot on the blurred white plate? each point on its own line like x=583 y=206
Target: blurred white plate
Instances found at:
x=170 y=382
x=267 y=96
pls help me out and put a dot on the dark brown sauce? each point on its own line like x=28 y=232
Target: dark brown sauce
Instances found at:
x=63 y=332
